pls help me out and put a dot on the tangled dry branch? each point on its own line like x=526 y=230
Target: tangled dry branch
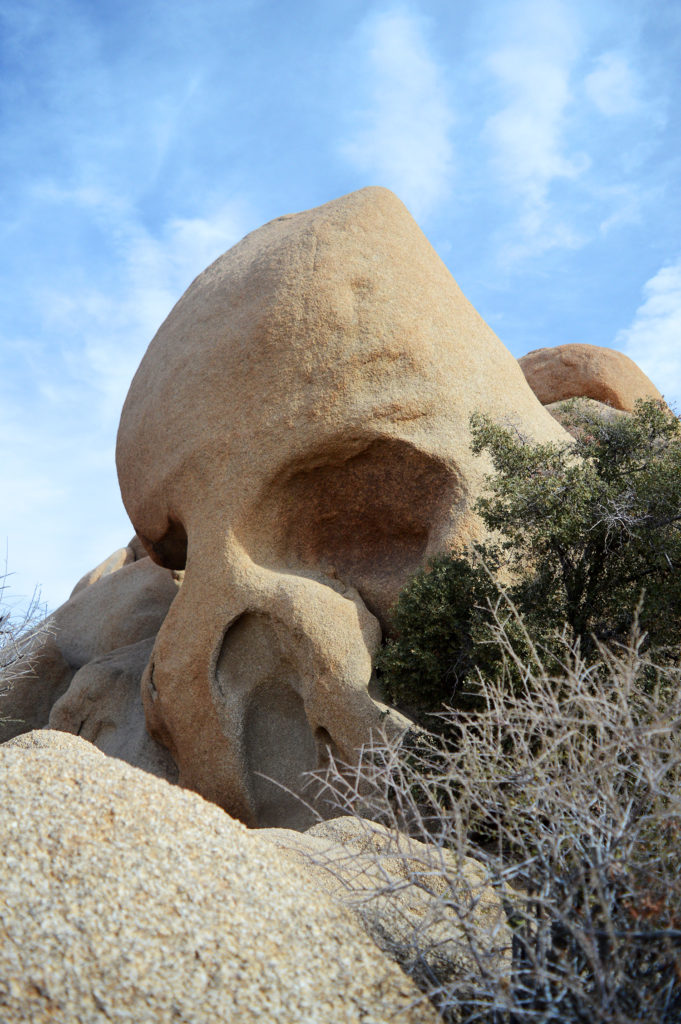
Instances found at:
x=567 y=793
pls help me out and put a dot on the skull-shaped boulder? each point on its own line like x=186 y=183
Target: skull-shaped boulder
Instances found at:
x=297 y=437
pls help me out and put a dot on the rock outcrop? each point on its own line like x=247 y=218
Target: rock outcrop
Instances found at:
x=297 y=436
x=84 y=675
x=123 y=556
x=586 y=371
x=124 y=898
x=569 y=412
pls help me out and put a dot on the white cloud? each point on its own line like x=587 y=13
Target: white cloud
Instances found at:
x=613 y=86
x=401 y=137
x=532 y=72
x=653 y=340
x=625 y=203
x=108 y=329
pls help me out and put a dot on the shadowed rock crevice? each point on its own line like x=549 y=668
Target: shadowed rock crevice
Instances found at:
x=170 y=550
x=257 y=680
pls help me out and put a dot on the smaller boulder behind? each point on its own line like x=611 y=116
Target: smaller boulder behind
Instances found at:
x=435 y=914
x=586 y=371
x=83 y=676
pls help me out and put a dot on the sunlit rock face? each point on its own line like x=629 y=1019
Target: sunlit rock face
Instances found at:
x=586 y=371
x=127 y=899
x=297 y=438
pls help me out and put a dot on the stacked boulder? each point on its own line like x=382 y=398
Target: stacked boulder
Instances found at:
x=84 y=674
x=605 y=381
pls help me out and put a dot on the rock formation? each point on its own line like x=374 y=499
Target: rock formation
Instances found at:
x=85 y=673
x=573 y=413
x=297 y=436
x=124 y=898
x=586 y=371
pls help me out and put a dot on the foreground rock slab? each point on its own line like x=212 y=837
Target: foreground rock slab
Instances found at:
x=124 y=898
x=427 y=909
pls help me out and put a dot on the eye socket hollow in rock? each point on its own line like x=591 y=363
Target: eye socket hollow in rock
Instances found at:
x=362 y=513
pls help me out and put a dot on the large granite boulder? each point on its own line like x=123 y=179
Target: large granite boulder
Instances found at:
x=126 y=899
x=297 y=436
x=586 y=371
x=132 y=552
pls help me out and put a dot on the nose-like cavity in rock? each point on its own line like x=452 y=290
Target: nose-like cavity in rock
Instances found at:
x=258 y=678
x=273 y=681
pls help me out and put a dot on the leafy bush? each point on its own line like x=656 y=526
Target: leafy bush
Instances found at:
x=589 y=539
x=588 y=527
x=575 y=780
x=441 y=622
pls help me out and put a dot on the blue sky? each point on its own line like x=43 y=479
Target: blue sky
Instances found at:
x=536 y=143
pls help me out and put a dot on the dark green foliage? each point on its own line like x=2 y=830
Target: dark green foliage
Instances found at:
x=589 y=541
x=591 y=530
x=441 y=623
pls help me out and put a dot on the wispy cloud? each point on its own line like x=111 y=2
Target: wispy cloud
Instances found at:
x=615 y=87
x=401 y=135
x=109 y=327
x=532 y=72
x=61 y=398
x=653 y=340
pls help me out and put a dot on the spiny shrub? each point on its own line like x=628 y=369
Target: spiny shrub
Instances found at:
x=573 y=779
x=20 y=632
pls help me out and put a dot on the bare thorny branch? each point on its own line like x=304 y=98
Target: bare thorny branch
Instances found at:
x=22 y=629
x=567 y=793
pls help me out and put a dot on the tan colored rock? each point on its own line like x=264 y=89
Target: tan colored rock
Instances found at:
x=123 y=556
x=586 y=371
x=298 y=434
x=103 y=704
x=116 y=561
x=419 y=903
x=126 y=899
x=120 y=609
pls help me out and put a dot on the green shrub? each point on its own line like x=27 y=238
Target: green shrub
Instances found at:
x=588 y=529
x=589 y=540
x=441 y=620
